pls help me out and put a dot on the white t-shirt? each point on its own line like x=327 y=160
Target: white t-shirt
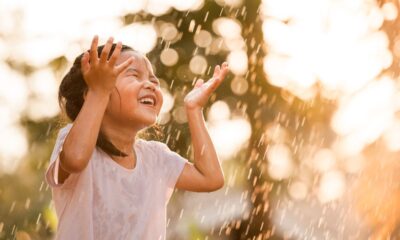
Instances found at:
x=108 y=201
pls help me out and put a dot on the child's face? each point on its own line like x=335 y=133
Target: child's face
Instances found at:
x=137 y=99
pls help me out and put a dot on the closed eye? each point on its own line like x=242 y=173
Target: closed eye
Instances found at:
x=154 y=80
x=131 y=72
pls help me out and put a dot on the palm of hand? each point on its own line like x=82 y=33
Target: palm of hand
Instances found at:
x=201 y=92
x=100 y=74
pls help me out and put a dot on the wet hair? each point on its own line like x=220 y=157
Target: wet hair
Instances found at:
x=71 y=98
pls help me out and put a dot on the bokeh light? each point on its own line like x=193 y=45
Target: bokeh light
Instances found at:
x=169 y=57
x=203 y=38
x=198 y=64
x=142 y=37
x=280 y=162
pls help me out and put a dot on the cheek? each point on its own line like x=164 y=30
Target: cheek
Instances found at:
x=127 y=99
x=161 y=98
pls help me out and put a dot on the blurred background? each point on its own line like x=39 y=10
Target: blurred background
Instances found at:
x=307 y=124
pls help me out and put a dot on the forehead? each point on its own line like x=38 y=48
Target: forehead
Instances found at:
x=140 y=62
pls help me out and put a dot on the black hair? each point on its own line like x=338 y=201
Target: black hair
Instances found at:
x=71 y=98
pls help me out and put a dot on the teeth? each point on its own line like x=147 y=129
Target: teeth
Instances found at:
x=147 y=100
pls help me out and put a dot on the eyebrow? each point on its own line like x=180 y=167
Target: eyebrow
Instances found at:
x=134 y=70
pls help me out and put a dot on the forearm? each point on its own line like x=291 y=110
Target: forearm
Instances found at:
x=205 y=156
x=81 y=140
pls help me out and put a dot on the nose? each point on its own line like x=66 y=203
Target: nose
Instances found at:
x=149 y=85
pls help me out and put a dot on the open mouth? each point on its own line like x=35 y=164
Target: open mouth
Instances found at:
x=148 y=100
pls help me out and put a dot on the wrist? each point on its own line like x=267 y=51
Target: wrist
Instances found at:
x=98 y=95
x=194 y=114
x=193 y=108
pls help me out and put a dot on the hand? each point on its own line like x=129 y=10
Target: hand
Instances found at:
x=101 y=74
x=198 y=97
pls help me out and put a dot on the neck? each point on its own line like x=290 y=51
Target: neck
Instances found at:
x=122 y=137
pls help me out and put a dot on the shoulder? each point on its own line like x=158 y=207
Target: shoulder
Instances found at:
x=153 y=149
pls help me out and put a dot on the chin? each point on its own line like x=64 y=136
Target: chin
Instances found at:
x=147 y=121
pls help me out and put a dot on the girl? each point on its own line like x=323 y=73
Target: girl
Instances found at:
x=106 y=183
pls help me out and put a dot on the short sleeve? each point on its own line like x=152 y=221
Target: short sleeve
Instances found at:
x=53 y=169
x=171 y=164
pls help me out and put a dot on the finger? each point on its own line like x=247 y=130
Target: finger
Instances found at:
x=224 y=71
x=106 y=50
x=217 y=70
x=198 y=83
x=85 y=66
x=116 y=53
x=221 y=75
x=93 y=50
x=211 y=85
x=123 y=66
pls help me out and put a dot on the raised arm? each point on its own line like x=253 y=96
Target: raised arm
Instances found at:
x=205 y=174
x=100 y=75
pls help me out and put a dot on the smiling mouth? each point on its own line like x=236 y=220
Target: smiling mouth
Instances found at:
x=148 y=100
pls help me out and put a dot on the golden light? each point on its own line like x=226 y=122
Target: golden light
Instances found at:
x=198 y=64
x=179 y=114
x=275 y=133
x=238 y=62
x=392 y=136
x=168 y=31
x=229 y=136
x=341 y=48
x=13 y=146
x=133 y=6
x=273 y=66
x=239 y=85
x=36 y=21
x=298 y=190
x=7 y=116
x=324 y=160
x=217 y=45
x=44 y=98
x=219 y=111
x=347 y=68
x=168 y=101
x=185 y=5
x=389 y=10
x=203 y=38
x=332 y=186
x=366 y=115
x=227 y=28
x=280 y=162
x=169 y=57
x=277 y=9
x=163 y=118
x=231 y=3
x=354 y=164
x=157 y=8
x=43 y=83
x=279 y=37
x=13 y=89
x=104 y=28
x=141 y=36
x=13 y=99
x=235 y=44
